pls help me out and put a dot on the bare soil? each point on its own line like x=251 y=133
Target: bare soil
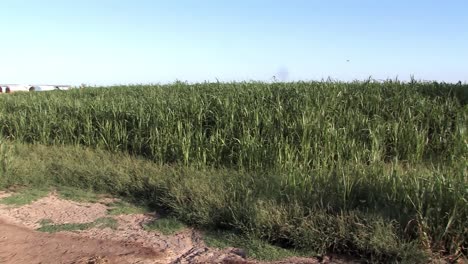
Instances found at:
x=55 y=209
x=23 y=245
x=129 y=243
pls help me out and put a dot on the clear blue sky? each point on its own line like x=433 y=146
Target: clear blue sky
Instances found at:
x=142 y=41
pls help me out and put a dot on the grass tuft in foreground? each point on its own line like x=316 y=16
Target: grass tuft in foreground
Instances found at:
x=123 y=207
x=24 y=197
x=77 y=195
x=103 y=222
x=254 y=247
x=166 y=226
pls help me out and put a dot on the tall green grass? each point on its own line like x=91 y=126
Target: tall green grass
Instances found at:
x=321 y=165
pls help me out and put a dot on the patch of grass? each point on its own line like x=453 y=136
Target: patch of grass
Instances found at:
x=254 y=247
x=78 y=195
x=103 y=222
x=122 y=208
x=25 y=196
x=52 y=228
x=166 y=226
x=5 y=158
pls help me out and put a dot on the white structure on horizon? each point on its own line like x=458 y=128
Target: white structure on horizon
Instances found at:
x=11 y=88
x=40 y=88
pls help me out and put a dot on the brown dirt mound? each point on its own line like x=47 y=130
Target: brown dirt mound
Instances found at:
x=129 y=243
x=22 y=245
x=58 y=210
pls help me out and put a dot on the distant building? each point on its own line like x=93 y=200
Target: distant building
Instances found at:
x=42 y=88
x=12 y=88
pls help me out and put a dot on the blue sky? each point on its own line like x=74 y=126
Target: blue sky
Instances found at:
x=141 y=41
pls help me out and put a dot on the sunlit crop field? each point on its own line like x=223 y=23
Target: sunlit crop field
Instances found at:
x=360 y=167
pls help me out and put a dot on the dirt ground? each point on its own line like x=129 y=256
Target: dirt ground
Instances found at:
x=22 y=245
x=128 y=243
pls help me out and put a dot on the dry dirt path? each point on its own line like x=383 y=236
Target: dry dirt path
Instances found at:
x=22 y=245
x=128 y=243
